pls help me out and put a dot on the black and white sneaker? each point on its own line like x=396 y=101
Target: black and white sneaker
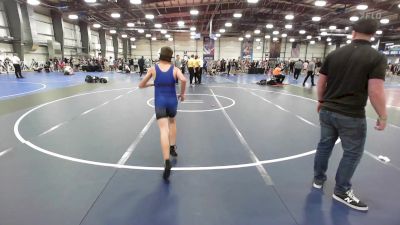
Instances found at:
x=318 y=184
x=350 y=200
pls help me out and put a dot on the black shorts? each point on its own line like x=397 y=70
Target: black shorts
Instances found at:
x=166 y=112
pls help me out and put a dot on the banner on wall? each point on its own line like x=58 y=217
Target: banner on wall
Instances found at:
x=295 y=50
x=275 y=49
x=208 y=48
x=247 y=49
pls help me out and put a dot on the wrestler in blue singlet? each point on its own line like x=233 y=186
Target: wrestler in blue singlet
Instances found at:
x=165 y=100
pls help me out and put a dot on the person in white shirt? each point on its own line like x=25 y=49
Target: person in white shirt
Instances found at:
x=68 y=70
x=17 y=66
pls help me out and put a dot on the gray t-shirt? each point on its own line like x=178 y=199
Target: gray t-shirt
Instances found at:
x=298 y=65
x=311 y=66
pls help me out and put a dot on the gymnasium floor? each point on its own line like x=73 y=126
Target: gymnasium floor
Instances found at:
x=75 y=153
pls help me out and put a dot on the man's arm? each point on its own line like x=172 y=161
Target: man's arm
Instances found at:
x=376 y=93
x=321 y=87
x=149 y=75
x=182 y=78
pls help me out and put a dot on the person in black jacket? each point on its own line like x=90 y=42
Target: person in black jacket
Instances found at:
x=141 y=65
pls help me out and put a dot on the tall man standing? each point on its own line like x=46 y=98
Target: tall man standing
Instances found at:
x=310 y=73
x=17 y=66
x=347 y=78
x=141 y=66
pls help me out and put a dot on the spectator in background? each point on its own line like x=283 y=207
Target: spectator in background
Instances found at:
x=141 y=65
x=277 y=73
x=310 y=73
x=17 y=66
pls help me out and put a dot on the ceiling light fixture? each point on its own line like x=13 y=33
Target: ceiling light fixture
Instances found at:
x=267 y=36
x=312 y=42
x=194 y=12
x=192 y=33
x=113 y=31
x=240 y=39
x=141 y=31
x=133 y=39
x=257 y=31
x=90 y=1
x=96 y=25
x=275 y=32
x=289 y=17
x=288 y=26
x=148 y=35
x=320 y=3
x=133 y=46
x=324 y=33
x=33 y=2
x=170 y=39
x=252 y=1
x=130 y=24
x=284 y=35
x=149 y=16
x=354 y=18
x=329 y=39
x=73 y=17
x=228 y=24
x=258 y=39
x=379 y=32
x=218 y=35
x=385 y=21
x=222 y=30
x=153 y=38
x=248 y=36
x=316 y=18
x=269 y=26
x=291 y=39
x=136 y=2
x=309 y=37
x=348 y=41
x=362 y=7
x=332 y=27
x=115 y=15
x=275 y=39
x=181 y=23
x=124 y=36
x=237 y=15
x=372 y=39
x=167 y=36
x=163 y=31
x=302 y=32
x=157 y=25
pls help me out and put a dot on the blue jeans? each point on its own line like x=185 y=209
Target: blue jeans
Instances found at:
x=352 y=132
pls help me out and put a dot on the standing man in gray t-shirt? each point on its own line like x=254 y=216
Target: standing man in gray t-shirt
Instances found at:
x=310 y=73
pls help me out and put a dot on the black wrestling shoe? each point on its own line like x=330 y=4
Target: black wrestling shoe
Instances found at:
x=172 y=151
x=167 y=169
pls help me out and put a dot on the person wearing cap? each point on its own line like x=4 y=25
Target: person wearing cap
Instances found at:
x=347 y=78
x=166 y=103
